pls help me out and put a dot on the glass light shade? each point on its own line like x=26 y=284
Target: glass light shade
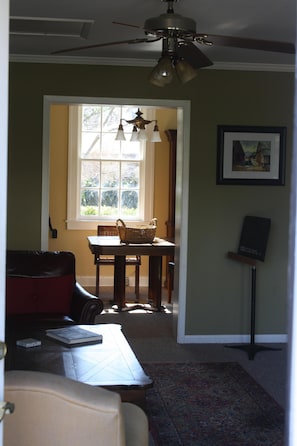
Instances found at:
x=134 y=134
x=120 y=134
x=163 y=72
x=156 y=135
x=185 y=72
x=142 y=136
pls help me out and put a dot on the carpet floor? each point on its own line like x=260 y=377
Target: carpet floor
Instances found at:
x=210 y=404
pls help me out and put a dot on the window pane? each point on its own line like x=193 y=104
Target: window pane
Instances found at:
x=110 y=148
x=110 y=203
x=129 y=112
x=90 y=174
x=90 y=145
x=111 y=118
x=91 y=116
x=131 y=150
x=129 y=203
x=110 y=174
x=130 y=175
x=89 y=202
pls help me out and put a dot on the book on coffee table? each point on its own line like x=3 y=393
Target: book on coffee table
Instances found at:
x=74 y=336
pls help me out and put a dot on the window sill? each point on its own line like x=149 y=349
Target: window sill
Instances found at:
x=92 y=224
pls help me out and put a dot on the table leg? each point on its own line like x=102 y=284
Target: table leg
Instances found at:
x=155 y=281
x=97 y=278
x=119 y=281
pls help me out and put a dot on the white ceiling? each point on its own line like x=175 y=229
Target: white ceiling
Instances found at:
x=257 y=19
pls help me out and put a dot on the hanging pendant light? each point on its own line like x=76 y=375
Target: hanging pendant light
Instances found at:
x=156 y=134
x=120 y=134
x=139 y=132
x=134 y=134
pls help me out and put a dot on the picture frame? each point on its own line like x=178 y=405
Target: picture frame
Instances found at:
x=251 y=155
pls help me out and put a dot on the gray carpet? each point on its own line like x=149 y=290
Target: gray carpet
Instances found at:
x=150 y=336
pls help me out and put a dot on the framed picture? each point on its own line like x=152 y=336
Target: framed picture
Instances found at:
x=251 y=155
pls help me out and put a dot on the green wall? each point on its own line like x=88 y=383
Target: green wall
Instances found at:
x=217 y=288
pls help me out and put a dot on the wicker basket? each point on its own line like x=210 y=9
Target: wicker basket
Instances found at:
x=137 y=233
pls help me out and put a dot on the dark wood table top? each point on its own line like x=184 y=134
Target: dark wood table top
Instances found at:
x=110 y=364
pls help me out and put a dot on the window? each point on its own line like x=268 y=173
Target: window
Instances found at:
x=107 y=179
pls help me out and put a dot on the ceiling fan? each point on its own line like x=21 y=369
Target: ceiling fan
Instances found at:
x=180 y=53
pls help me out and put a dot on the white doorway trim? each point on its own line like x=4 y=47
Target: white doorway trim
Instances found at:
x=4 y=45
x=182 y=185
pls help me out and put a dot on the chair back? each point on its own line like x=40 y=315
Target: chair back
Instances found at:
x=104 y=230
x=54 y=410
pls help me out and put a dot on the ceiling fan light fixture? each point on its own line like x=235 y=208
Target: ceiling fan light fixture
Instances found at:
x=156 y=80
x=163 y=72
x=185 y=72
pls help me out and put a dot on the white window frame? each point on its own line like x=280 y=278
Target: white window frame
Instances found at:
x=74 y=219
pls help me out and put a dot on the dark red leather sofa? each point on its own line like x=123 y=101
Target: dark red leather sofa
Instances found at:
x=41 y=287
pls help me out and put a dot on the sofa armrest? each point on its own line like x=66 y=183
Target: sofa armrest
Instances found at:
x=85 y=306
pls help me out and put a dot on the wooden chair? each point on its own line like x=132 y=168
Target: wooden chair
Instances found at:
x=104 y=231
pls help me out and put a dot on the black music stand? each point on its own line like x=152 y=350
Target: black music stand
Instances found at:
x=252 y=247
x=250 y=348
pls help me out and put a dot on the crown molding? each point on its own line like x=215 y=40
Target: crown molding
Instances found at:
x=235 y=66
x=24 y=58
x=241 y=66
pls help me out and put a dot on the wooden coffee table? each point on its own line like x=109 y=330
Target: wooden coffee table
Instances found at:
x=112 y=364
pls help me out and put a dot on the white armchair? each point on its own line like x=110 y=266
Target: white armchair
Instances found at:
x=51 y=410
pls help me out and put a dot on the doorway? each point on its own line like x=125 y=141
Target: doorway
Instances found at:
x=182 y=170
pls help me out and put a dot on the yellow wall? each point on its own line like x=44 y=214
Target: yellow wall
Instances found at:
x=76 y=240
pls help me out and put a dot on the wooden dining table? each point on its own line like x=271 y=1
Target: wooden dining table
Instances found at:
x=111 y=245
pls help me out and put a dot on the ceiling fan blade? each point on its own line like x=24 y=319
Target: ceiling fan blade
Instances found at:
x=240 y=42
x=191 y=54
x=127 y=24
x=98 y=45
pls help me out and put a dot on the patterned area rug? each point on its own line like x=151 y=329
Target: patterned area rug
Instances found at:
x=211 y=404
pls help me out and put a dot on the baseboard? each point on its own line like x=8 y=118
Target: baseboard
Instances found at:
x=89 y=281
x=233 y=339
